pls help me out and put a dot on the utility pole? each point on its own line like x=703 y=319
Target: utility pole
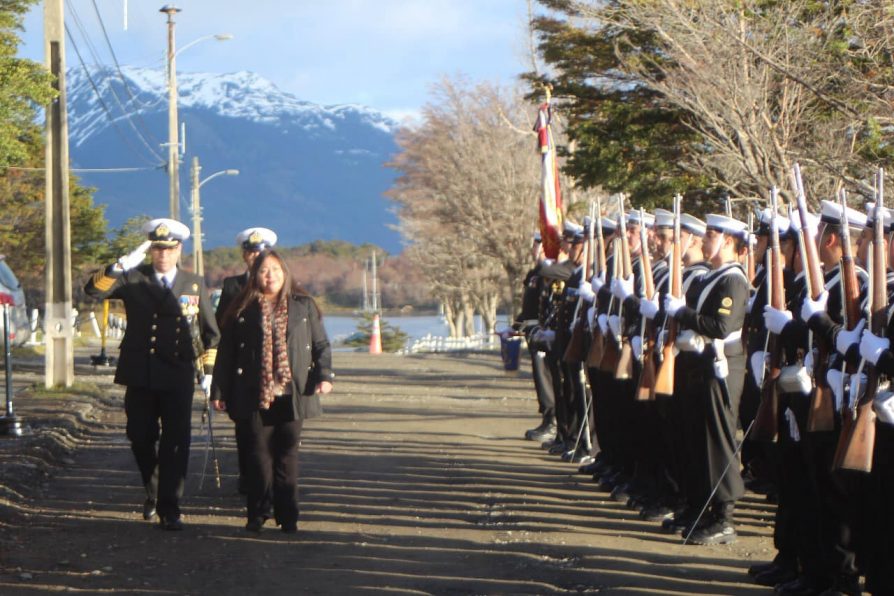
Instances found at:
x=375 y=285
x=198 y=260
x=59 y=356
x=173 y=140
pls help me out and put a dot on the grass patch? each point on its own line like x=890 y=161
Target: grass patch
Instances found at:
x=77 y=388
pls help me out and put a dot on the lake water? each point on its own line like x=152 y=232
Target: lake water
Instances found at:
x=340 y=327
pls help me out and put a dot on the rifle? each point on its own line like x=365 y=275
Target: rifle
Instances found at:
x=855 y=447
x=646 y=387
x=821 y=416
x=749 y=255
x=574 y=351
x=611 y=352
x=597 y=341
x=199 y=349
x=624 y=370
x=766 y=421
x=664 y=379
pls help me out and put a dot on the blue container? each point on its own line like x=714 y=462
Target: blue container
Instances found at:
x=510 y=348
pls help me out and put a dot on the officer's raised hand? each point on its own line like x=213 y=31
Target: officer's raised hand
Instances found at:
x=133 y=258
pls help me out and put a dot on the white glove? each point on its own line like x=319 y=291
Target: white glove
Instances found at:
x=545 y=335
x=814 y=307
x=845 y=339
x=649 y=308
x=622 y=288
x=132 y=259
x=206 y=384
x=614 y=323
x=597 y=281
x=591 y=315
x=636 y=345
x=883 y=405
x=585 y=291
x=808 y=362
x=872 y=346
x=758 y=359
x=835 y=378
x=775 y=319
x=672 y=304
x=602 y=321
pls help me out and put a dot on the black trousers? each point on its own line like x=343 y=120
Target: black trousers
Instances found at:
x=272 y=472
x=880 y=539
x=161 y=450
x=543 y=384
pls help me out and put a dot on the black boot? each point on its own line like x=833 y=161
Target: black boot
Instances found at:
x=720 y=529
x=546 y=430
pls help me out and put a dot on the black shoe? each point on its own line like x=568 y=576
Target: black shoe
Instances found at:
x=759 y=568
x=680 y=521
x=542 y=435
x=718 y=532
x=171 y=522
x=290 y=528
x=775 y=576
x=582 y=458
x=800 y=586
x=656 y=513
x=609 y=482
x=558 y=448
x=550 y=442
x=255 y=524
x=843 y=586
x=597 y=467
x=148 y=509
x=621 y=493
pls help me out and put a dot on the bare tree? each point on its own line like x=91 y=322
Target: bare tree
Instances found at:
x=765 y=84
x=467 y=195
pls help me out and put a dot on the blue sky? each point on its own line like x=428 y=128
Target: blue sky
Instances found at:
x=381 y=53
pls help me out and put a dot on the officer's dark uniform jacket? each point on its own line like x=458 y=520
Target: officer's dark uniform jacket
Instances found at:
x=568 y=275
x=720 y=313
x=237 y=372
x=231 y=288
x=157 y=349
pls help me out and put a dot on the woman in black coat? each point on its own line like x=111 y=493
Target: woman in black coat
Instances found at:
x=273 y=362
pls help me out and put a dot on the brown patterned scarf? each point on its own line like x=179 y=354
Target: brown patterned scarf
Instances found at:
x=275 y=372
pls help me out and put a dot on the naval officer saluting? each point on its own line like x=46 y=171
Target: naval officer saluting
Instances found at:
x=165 y=307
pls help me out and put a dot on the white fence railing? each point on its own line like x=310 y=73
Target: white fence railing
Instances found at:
x=436 y=343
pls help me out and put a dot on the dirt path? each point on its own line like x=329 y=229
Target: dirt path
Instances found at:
x=415 y=481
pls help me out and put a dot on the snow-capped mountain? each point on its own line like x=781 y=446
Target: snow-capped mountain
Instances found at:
x=308 y=171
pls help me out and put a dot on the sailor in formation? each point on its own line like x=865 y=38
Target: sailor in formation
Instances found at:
x=779 y=353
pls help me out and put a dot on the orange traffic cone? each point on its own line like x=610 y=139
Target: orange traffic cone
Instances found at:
x=375 y=338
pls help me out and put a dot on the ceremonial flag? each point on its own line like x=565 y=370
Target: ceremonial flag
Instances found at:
x=551 y=194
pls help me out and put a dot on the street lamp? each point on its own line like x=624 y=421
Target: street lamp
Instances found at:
x=198 y=257
x=173 y=139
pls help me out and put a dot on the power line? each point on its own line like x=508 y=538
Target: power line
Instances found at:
x=123 y=78
x=84 y=170
x=105 y=107
x=124 y=110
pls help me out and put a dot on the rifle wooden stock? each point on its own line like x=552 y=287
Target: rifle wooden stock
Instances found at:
x=624 y=369
x=611 y=351
x=646 y=386
x=855 y=448
x=574 y=351
x=664 y=378
x=821 y=413
x=766 y=421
